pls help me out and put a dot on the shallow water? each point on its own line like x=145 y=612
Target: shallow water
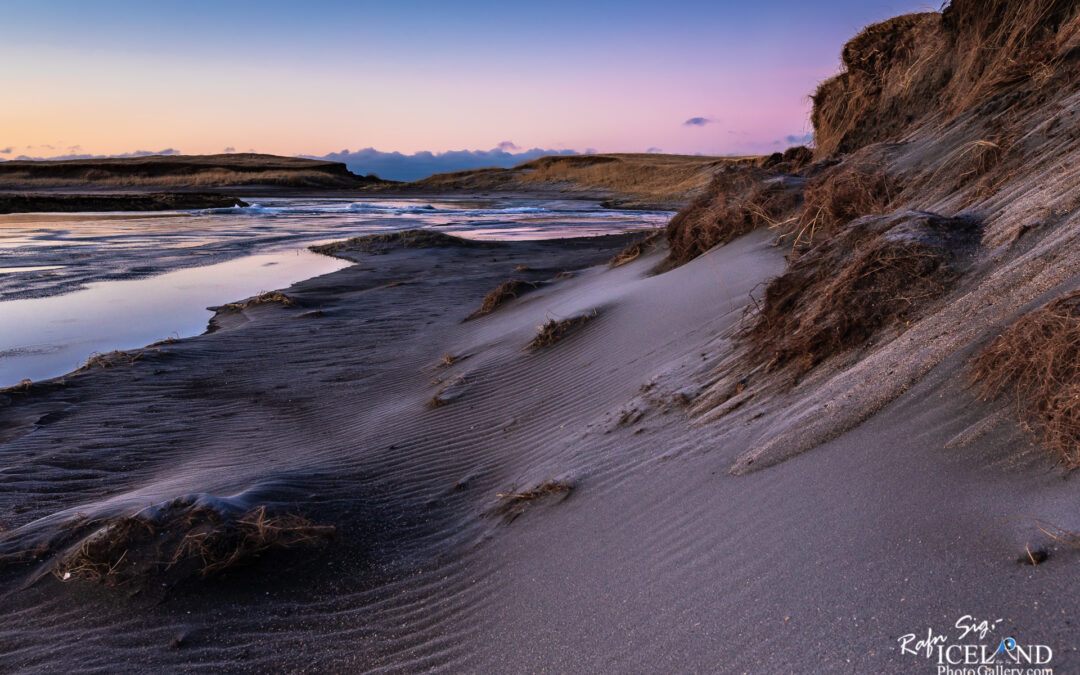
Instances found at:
x=44 y=337
x=72 y=285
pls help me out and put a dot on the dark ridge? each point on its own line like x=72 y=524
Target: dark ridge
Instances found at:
x=68 y=203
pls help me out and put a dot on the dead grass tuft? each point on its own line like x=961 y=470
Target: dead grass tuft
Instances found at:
x=555 y=331
x=268 y=298
x=512 y=504
x=875 y=272
x=636 y=249
x=109 y=360
x=503 y=293
x=1037 y=360
x=184 y=540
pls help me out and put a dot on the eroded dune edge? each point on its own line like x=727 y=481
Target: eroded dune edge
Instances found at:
x=807 y=422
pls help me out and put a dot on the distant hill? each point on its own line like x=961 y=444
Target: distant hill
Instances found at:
x=626 y=179
x=182 y=172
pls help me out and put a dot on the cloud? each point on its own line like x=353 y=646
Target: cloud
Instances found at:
x=654 y=150
x=398 y=166
x=697 y=122
x=137 y=153
x=7 y=150
x=229 y=150
x=805 y=139
x=508 y=146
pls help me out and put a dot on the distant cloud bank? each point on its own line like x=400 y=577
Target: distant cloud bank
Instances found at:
x=398 y=166
x=697 y=122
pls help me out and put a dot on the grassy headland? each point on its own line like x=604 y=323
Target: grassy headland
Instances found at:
x=182 y=173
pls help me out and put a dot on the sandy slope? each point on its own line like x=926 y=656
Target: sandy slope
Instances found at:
x=658 y=559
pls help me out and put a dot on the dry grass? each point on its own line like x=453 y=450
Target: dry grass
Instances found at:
x=1037 y=360
x=920 y=65
x=967 y=163
x=555 y=331
x=737 y=201
x=636 y=249
x=109 y=360
x=789 y=161
x=503 y=293
x=182 y=541
x=651 y=177
x=268 y=298
x=874 y=273
x=837 y=196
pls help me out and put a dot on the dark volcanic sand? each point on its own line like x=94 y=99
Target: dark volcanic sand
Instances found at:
x=658 y=560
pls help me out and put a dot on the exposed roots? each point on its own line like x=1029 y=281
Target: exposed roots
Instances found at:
x=876 y=272
x=912 y=67
x=739 y=200
x=837 y=196
x=1037 y=360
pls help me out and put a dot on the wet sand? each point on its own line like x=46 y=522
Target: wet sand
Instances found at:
x=653 y=557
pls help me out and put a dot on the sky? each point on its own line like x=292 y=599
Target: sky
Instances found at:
x=321 y=77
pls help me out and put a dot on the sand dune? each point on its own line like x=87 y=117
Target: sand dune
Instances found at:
x=651 y=537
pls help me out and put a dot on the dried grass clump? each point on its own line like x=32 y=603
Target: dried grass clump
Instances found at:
x=183 y=540
x=739 y=200
x=636 y=249
x=967 y=163
x=387 y=241
x=875 y=272
x=503 y=293
x=839 y=195
x=557 y=330
x=921 y=65
x=789 y=161
x=1037 y=359
x=109 y=360
x=268 y=298
x=512 y=504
